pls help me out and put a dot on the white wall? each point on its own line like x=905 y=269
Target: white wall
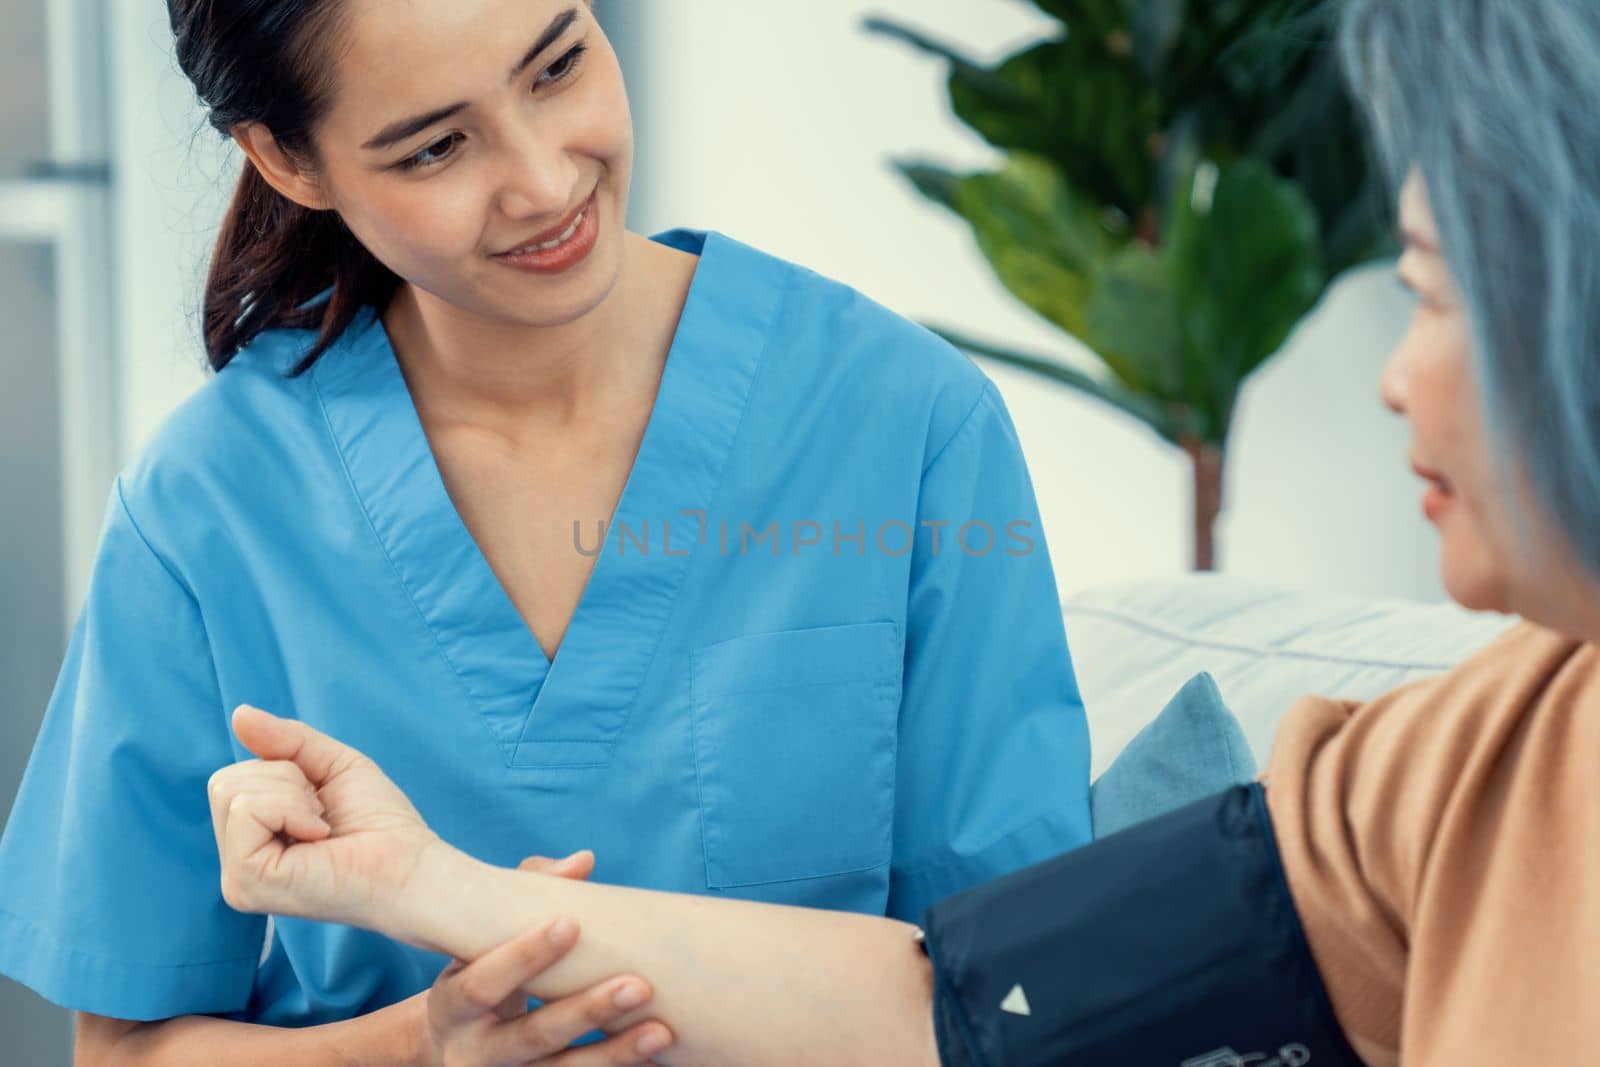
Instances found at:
x=172 y=182
x=774 y=122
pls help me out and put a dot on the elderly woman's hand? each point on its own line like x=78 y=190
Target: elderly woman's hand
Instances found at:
x=312 y=828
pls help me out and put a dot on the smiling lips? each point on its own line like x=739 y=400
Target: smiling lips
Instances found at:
x=555 y=236
x=559 y=249
x=1437 y=500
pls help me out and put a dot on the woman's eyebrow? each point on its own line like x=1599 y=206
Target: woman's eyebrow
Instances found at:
x=552 y=33
x=396 y=132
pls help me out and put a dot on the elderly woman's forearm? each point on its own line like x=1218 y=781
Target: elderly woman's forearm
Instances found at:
x=739 y=983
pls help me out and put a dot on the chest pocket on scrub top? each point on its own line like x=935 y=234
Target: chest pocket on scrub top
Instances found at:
x=794 y=740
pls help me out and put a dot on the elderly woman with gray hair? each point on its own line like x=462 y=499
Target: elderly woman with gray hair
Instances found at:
x=1415 y=881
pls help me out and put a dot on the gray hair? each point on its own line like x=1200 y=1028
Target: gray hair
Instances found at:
x=1497 y=104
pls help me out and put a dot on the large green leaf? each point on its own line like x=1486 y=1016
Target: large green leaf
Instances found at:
x=1023 y=117
x=1133 y=318
x=1237 y=60
x=1078 y=104
x=1049 y=248
x=934 y=182
x=1029 y=202
x=1079 y=99
x=1247 y=267
x=1044 y=241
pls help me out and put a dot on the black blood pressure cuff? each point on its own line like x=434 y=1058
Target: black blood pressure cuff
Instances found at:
x=1172 y=944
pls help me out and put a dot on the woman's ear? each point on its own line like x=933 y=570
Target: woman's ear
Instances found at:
x=278 y=170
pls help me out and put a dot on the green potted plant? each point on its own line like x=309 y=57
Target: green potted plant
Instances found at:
x=1182 y=181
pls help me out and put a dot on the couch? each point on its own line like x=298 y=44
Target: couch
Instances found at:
x=1134 y=645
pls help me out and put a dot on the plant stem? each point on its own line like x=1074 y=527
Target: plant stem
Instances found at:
x=1207 y=459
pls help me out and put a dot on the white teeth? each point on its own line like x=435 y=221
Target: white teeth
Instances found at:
x=559 y=241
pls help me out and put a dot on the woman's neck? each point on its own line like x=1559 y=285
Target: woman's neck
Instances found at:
x=466 y=370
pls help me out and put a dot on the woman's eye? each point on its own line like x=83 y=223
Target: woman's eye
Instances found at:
x=435 y=153
x=562 y=68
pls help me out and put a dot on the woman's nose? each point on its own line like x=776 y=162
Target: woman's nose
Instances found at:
x=530 y=197
x=536 y=182
x=1392 y=383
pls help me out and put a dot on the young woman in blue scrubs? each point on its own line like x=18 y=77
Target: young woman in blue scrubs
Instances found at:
x=661 y=548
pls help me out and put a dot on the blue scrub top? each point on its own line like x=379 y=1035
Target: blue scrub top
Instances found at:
x=819 y=660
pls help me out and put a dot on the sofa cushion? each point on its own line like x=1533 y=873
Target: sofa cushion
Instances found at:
x=1133 y=645
x=1190 y=751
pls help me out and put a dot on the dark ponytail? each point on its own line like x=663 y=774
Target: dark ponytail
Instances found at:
x=264 y=61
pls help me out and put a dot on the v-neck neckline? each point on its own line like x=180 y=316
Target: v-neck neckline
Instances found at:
x=567 y=711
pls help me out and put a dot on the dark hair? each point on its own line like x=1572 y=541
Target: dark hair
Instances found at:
x=265 y=61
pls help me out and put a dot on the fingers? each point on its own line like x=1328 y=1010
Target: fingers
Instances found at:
x=636 y=1045
x=274 y=738
x=549 y=1030
x=481 y=986
x=251 y=846
x=254 y=776
x=578 y=866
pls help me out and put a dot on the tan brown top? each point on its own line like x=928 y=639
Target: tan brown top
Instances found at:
x=1442 y=844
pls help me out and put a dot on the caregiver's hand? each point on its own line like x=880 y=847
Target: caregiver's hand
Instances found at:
x=312 y=828
x=477 y=1012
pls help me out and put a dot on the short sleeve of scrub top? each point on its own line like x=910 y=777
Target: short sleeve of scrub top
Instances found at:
x=818 y=661
x=120 y=913
x=984 y=694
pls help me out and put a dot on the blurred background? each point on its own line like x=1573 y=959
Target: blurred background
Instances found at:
x=773 y=122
